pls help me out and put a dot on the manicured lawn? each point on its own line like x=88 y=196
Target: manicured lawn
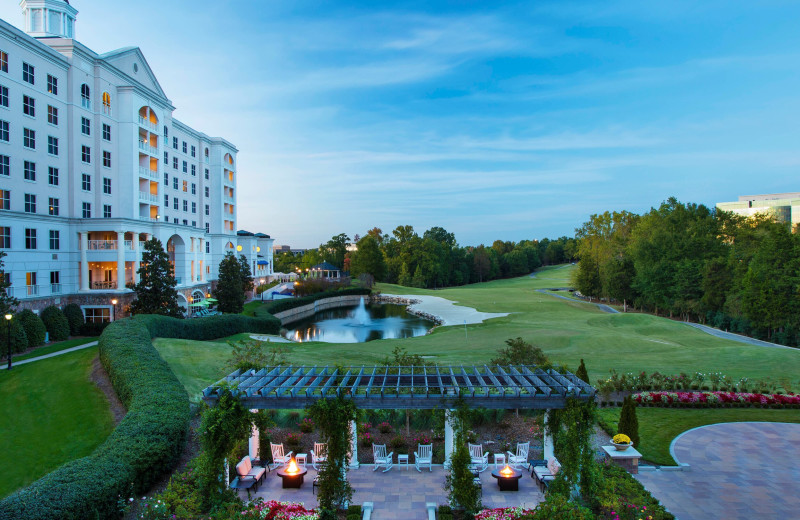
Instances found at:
x=659 y=426
x=54 y=347
x=50 y=413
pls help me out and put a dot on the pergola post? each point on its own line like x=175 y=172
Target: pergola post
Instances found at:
x=227 y=474
x=547 y=444
x=353 y=445
x=448 y=437
x=254 y=441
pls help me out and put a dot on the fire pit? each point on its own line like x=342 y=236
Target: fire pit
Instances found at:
x=292 y=475
x=507 y=478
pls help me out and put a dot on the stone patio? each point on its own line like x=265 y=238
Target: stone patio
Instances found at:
x=736 y=471
x=400 y=493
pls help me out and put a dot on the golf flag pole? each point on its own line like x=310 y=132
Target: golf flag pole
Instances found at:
x=465 y=332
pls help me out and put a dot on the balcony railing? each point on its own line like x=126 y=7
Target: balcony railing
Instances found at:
x=228 y=199
x=148 y=197
x=152 y=150
x=32 y=290
x=148 y=219
x=145 y=123
x=102 y=245
x=104 y=285
x=148 y=173
x=55 y=288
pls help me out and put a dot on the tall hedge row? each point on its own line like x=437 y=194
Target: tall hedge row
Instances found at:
x=277 y=306
x=148 y=441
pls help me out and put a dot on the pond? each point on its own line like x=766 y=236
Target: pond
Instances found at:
x=358 y=324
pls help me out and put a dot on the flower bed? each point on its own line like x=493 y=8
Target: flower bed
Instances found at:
x=274 y=510
x=717 y=399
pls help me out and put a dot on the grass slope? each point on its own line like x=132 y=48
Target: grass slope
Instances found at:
x=54 y=347
x=659 y=426
x=50 y=413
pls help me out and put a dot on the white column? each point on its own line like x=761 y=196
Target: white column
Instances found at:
x=195 y=245
x=136 y=253
x=353 y=445
x=120 y=260
x=84 y=261
x=547 y=444
x=203 y=260
x=254 y=440
x=448 y=437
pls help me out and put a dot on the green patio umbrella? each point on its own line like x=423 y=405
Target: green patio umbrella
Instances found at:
x=210 y=300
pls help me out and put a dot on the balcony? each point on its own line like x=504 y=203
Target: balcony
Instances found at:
x=102 y=245
x=228 y=199
x=148 y=219
x=148 y=173
x=146 y=124
x=145 y=147
x=103 y=286
x=55 y=288
x=32 y=290
x=148 y=197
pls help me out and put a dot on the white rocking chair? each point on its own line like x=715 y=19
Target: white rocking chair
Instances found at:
x=320 y=455
x=478 y=458
x=423 y=456
x=381 y=458
x=278 y=457
x=519 y=459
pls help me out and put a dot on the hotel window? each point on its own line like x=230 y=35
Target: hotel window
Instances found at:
x=166 y=200
x=174 y=183
x=106 y=211
x=166 y=158
x=4 y=131
x=52 y=145
x=5 y=239
x=194 y=151
x=86 y=126
x=208 y=244
x=3 y=61
x=3 y=96
x=185 y=222
x=87 y=210
x=29 y=138
x=206 y=191
x=28 y=73
x=52 y=85
x=185 y=186
x=106 y=185
x=174 y=220
x=106 y=132
x=55 y=282
x=185 y=167
x=30 y=281
x=207 y=230
x=194 y=170
x=175 y=142
x=28 y=106
x=194 y=207
x=86 y=182
x=5 y=199
x=107 y=159
x=175 y=203
x=5 y=165
x=29 y=171
x=86 y=154
x=166 y=132
x=52 y=206
x=30 y=203
x=106 y=103
x=52 y=176
x=55 y=239
x=86 y=96
x=185 y=205
x=52 y=115
x=184 y=147
x=166 y=179
x=174 y=163
x=30 y=238
x=97 y=314
x=194 y=189
x=206 y=173
x=207 y=212
x=194 y=223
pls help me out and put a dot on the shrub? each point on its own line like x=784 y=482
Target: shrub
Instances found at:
x=628 y=422
x=398 y=442
x=293 y=440
x=34 y=327
x=74 y=316
x=19 y=341
x=56 y=323
x=93 y=329
x=385 y=427
x=306 y=425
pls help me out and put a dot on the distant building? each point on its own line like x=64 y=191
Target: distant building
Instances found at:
x=785 y=207
x=280 y=249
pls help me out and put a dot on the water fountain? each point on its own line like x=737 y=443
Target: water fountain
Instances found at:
x=361 y=316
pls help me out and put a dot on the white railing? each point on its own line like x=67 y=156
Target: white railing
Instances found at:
x=146 y=123
x=129 y=244
x=32 y=290
x=147 y=172
x=228 y=199
x=152 y=150
x=148 y=197
x=55 y=288
x=147 y=219
x=102 y=245
x=100 y=286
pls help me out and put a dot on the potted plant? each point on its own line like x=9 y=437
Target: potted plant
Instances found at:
x=621 y=442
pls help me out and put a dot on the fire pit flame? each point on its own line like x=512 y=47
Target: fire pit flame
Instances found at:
x=507 y=471
x=292 y=467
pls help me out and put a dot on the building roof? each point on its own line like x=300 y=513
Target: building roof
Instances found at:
x=243 y=233
x=326 y=266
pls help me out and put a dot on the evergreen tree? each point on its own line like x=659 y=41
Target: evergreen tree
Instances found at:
x=74 y=315
x=230 y=287
x=34 y=327
x=155 y=292
x=56 y=323
x=368 y=259
x=7 y=303
x=246 y=274
x=582 y=373
x=628 y=422
x=404 y=278
x=419 y=279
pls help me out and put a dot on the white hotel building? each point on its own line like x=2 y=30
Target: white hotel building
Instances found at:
x=92 y=164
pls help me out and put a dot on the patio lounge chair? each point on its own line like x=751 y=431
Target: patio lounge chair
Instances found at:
x=545 y=474
x=320 y=455
x=423 y=456
x=478 y=459
x=519 y=459
x=246 y=470
x=381 y=458
x=278 y=457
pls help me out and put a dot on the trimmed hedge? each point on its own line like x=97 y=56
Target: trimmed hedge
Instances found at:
x=34 y=327
x=74 y=315
x=292 y=303
x=151 y=437
x=19 y=341
x=56 y=323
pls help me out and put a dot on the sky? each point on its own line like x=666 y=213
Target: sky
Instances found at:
x=494 y=120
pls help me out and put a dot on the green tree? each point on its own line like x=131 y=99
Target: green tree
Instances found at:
x=7 y=303
x=481 y=263
x=19 y=341
x=628 y=422
x=418 y=280
x=335 y=249
x=74 y=315
x=405 y=278
x=587 y=277
x=520 y=352
x=368 y=259
x=34 y=327
x=459 y=482
x=230 y=287
x=582 y=373
x=246 y=274
x=155 y=292
x=56 y=323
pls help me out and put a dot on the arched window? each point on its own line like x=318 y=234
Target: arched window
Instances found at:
x=229 y=245
x=229 y=159
x=206 y=153
x=86 y=96
x=106 y=103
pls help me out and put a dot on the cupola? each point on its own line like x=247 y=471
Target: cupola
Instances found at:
x=49 y=18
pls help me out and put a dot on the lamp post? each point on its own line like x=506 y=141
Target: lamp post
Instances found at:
x=113 y=310
x=8 y=337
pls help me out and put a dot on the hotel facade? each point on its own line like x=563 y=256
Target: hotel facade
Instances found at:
x=93 y=164
x=784 y=207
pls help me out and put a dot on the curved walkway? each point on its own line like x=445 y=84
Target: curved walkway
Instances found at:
x=603 y=307
x=735 y=337
x=47 y=356
x=736 y=471
x=446 y=310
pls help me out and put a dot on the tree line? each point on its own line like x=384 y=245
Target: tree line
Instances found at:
x=696 y=263
x=432 y=260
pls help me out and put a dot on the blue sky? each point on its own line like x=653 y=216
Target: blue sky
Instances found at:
x=492 y=120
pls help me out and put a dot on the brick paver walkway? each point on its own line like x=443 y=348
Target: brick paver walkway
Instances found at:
x=737 y=471
x=401 y=494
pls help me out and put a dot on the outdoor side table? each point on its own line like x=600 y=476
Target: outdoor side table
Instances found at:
x=402 y=459
x=246 y=484
x=301 y=458
x=499 y=458
x=626 y=459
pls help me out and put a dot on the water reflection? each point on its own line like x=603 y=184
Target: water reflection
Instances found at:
x=350 y=325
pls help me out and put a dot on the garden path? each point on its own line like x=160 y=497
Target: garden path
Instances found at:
x=736 y=471
x=4 y=366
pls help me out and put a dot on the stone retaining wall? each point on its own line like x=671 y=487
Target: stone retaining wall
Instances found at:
x=408 y=302
x=306 y=311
